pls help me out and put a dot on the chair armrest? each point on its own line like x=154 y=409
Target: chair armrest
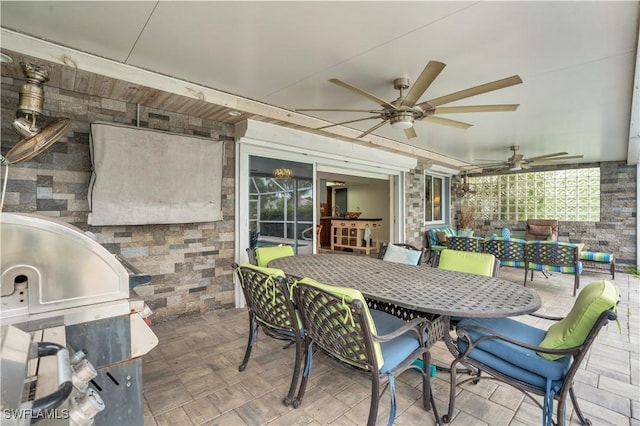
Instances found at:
x=491 y=335
x=416 y=325
x=547 y=317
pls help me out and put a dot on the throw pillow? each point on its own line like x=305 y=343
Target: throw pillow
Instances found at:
x=401 y=255
x=540 y=230
x=571 y=331
x=443 y=238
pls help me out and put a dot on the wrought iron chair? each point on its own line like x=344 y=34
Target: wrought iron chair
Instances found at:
x=265 y=254
x=509 y=251
x=475 y=244
x=401 y=253
x=553 y=256
x=338 y=321
x=535 y=361
x=470 y=262
x=270 y=306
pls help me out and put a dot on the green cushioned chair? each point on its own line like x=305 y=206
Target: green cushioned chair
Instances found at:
x=264 y=255
x=270 y=305
x=469 y=262
x=535 y=361
x=338 y=321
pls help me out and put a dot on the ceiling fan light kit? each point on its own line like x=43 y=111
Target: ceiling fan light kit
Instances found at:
x=404 y=111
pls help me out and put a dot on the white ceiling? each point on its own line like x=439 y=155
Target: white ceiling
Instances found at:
x=576 y=59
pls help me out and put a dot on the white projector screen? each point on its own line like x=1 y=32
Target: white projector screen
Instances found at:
x=143 y=176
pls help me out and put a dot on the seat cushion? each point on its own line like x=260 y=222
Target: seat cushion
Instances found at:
x=596 y=298
x=401 y=255
x=264 y=255
x=398 y=349
x=595 y=256
x=515 y=361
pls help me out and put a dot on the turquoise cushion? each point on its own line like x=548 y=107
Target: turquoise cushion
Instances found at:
x=515 y=361
x=595 y=256
x=593 y=300
x=397 y=350
x=264 y=255
x=401 y=255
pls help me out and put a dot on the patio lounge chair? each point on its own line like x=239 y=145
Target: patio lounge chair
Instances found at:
x=535 y=361
x=338 y=321
x=270 y=308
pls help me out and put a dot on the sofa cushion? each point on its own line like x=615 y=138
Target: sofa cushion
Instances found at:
x=443 y=238
x=571 y=331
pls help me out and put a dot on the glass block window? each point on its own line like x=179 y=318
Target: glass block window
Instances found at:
x=557 y=194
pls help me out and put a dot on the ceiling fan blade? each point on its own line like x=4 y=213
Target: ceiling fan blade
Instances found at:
x=338 y=109
x=550 y=160
x=539 y=157
x=410 y=132
x=423 y=82
x=447 y=122
x=473 y=91
x=374 y=128
x=350 y=121
x=476 y=108
x=368 y=95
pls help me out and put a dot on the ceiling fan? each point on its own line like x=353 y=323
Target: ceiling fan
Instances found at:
x=404 y=111
x=464 y=189
x=518 y=161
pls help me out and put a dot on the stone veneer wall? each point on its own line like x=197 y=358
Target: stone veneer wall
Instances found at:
x=190 y=263
x=615 y=233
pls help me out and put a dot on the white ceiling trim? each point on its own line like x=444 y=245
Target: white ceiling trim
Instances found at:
x=324 y=149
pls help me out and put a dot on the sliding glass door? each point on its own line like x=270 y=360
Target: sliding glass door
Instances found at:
x=280 y=203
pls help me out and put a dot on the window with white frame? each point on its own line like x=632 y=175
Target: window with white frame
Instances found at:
x=435 y=198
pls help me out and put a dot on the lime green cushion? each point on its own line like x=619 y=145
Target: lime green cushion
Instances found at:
x=274 y=272
x=349 y=295
x=593 y=300
x=264 y=255
x=467 y=261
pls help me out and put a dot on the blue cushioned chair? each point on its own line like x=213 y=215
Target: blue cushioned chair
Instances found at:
x=535 y=361
x=270 y=306
x=338 y=321
x=509 y=251
x=553 y=256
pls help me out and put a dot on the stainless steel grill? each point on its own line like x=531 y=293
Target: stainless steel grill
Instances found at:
x=72 y=338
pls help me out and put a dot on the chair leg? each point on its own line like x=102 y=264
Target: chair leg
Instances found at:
x=583 y=420
x=253 y=331
x=289 y=399
x=308 y=360
x=375 y=399
x=426 y=381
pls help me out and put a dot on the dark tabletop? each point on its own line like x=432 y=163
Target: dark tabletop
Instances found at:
x=421 y=288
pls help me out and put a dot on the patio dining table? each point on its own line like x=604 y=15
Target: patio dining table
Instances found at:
x=409 y=291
